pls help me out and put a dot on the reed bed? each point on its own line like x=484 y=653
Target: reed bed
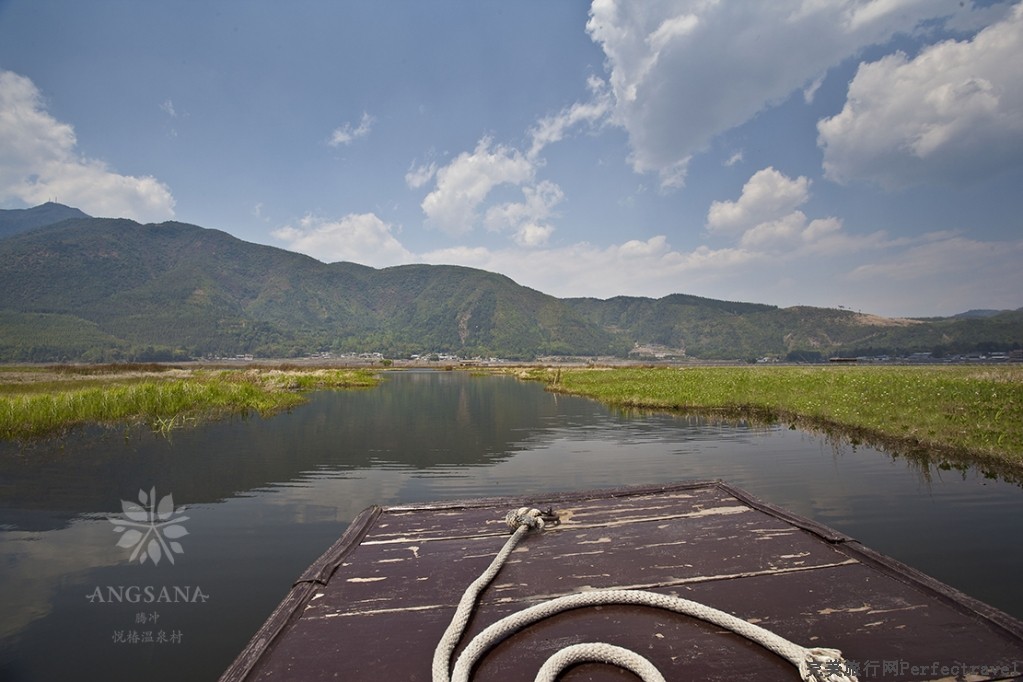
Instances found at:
x=161 y=400
x=972 y=411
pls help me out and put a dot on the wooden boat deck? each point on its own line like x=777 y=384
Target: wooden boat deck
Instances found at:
x=374 y=606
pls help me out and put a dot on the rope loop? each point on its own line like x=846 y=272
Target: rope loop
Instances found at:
x=814 y=664
x=598 y=652
x=525 y=516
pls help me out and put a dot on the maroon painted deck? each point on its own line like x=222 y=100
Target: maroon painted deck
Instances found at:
x=374 y=606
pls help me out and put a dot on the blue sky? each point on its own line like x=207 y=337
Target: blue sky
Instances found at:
x=856 y=153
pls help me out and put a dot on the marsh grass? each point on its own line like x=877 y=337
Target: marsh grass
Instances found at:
x=110 y=368
x=957 y=411
x=163 y=401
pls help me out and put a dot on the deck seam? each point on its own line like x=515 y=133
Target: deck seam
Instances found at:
x=695 y=580
x=566 y=528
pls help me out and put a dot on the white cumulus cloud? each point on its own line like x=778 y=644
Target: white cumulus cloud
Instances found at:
x=767 y=196
x=954 y=112
x=681 y=72
x=463 y=184
x=357 y=237
x=766 y=217
x=39 y=162
x=528 y=220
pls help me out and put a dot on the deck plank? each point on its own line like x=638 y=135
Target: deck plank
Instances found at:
x=375 y=607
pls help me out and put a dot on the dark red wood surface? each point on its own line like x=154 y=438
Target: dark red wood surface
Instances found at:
x=374 y=606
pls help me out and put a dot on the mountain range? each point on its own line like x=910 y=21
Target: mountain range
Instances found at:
x=73 y=287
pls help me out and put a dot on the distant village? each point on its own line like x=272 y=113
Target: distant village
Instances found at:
x=647 y=355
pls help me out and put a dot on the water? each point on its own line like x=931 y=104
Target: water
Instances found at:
x=264 y=497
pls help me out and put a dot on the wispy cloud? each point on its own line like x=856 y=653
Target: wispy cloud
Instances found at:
x=592 y=112
x=418 y=176
x=735 y=158
x=348 y=133
x=962 y=269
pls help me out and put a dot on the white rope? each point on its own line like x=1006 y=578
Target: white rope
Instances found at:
x=521 y=521
x=600 y=653
x=823 y=665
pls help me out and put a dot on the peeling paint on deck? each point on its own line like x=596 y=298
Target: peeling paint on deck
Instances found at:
x=391 y=584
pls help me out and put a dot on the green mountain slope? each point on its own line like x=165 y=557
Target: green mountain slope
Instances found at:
x=105 y=289
x=184 y=290
x=711 y=329
x=450 y=307
x=44 y=337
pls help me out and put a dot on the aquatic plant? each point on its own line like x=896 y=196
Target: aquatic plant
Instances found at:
x=974 y=411
x=51 y=405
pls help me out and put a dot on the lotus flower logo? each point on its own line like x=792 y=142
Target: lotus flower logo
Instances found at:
x=150 y=529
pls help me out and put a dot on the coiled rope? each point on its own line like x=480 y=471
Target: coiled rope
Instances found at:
x=814 y=664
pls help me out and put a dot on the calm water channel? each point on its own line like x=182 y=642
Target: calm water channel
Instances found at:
x=262 y=498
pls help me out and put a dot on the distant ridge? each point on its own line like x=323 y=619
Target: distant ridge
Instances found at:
x=973 y=314
x=13 y=221
x=99 y=289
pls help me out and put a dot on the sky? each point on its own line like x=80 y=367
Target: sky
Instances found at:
x=865 y=154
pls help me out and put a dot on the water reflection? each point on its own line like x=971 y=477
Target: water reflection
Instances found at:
x=430 y=421
x=266 y=497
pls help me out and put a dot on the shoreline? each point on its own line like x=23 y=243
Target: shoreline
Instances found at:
x=48 y=401
x=951 y=416
x=928 y=412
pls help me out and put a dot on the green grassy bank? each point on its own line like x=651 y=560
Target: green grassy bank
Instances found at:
x=49 y=400
x=961 y=412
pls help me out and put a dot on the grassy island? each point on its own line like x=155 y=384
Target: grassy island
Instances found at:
x=39 y=401
x=972 y=413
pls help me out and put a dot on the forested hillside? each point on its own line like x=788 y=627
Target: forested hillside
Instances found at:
x=80 y=288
